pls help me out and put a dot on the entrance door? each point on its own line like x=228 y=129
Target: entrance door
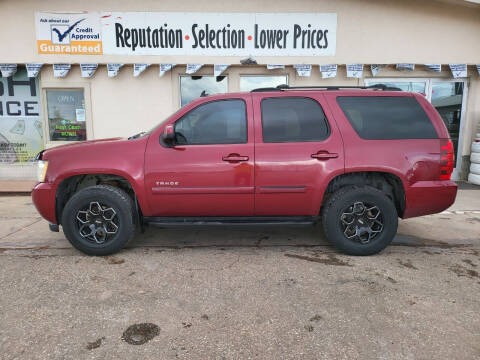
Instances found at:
x=448 y=99
x=209 y=171
x=296 y=148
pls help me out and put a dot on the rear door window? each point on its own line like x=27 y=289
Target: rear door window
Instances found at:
x=387 y=117
x=293 y=119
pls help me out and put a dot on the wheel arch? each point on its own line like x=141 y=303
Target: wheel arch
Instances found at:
x=69 y=185
x=388 y=182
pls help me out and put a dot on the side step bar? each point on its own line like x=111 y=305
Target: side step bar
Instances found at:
x=174 y=221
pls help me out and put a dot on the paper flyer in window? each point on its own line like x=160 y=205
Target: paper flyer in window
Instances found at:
x=165 y=68
x=33 y=70
x=408 y=67
x=219 y=69
x=139 y=68
x=273 y=67
x=112 y=69
x=193 y=68
x=434 y=67
x=61 y=70
x=8 y=70
x=87 y=70
x=328 y=71
x=375 y=69
x=303 y=70
x=354 y=70
x=458 y=70
x=80 y=114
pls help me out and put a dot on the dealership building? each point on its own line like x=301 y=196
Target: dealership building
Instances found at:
x=75 y=71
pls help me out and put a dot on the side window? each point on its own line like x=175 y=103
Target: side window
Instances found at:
x=216 y=122
x=293 y=119
x=387 y=117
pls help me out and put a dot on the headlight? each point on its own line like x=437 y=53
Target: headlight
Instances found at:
x=42 y=166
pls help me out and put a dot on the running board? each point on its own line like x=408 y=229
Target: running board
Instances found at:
x=173 y=221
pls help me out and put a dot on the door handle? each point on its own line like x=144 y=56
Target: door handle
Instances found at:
x=324 y=155
x=235 y=157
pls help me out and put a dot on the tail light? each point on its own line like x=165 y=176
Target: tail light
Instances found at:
x=447 y=159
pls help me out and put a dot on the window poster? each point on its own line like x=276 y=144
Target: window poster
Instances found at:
x=21 y=134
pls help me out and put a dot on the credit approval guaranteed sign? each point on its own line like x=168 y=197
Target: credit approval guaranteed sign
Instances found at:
x=173 y=33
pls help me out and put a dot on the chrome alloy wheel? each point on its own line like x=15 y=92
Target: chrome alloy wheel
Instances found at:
x=98 y=222
x=361 y=222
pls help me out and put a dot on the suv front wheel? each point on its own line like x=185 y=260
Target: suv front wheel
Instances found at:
x=360 y=220
x=99 y=220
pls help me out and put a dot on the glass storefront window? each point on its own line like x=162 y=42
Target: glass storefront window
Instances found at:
x=66 y=115
x=192 y=87
x=250 y=82
x=412 y=86
x=447 y=98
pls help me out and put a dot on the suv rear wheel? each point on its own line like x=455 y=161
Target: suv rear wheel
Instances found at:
x=360 y=220
x=99 y=220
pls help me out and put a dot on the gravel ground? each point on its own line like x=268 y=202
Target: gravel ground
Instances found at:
x=250 y=293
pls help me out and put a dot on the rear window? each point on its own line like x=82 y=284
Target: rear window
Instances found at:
x=386 y=117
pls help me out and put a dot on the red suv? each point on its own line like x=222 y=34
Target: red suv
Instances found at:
x=355 y=158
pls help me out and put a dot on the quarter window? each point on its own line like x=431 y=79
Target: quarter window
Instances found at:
x=387 y=117
x=293 y=119
x=216 y=122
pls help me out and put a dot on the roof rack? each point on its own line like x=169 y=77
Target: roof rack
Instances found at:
x=286 y=87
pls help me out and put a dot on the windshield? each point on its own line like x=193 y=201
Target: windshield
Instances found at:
x=146 y=133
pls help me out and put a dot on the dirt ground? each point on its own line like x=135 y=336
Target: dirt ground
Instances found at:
x=241 y=293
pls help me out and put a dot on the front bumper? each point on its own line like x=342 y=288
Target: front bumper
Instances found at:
x=43 y=196
x=429 y=197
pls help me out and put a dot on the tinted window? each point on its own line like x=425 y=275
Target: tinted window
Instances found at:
x=293 y=120
x=383 y=117
x=217 y=122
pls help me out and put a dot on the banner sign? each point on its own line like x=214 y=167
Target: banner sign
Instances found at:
x=303 y=70
x=61 y=70
x=193 y=68
x=328 y=71
x=21 y=134
x=219 y=69
x=274 y=67
x=88 y=70
x=8 y=69
x=33 y=70
x=409 y=67
x=458 y=70
x=375 y=69
x=478 y=69
x=217 y=34
x=355 y=70
x=165 y=68
x=68 y=33
x=139 y=68
x=434 y=67
x=112 y=69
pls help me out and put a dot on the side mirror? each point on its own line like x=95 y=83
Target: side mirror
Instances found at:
x=168 y=135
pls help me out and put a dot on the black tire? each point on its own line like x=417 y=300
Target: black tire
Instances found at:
x=336 y=213
x=108 y=197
